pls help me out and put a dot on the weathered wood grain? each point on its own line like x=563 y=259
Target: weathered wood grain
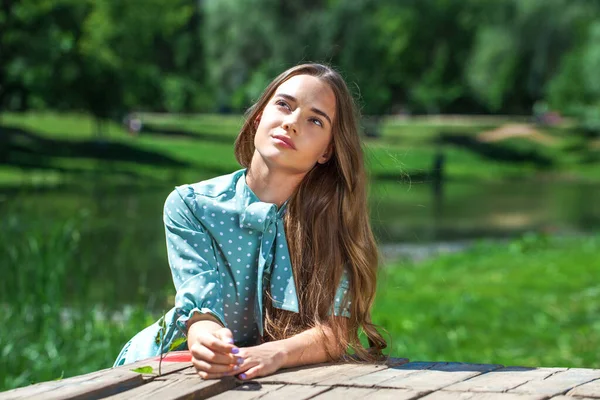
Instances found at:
x=248 y=391
x=296 y=392
x=96 y=384
x=178 y=386
x=444 y=395
x=343 y=377
x=502 y=379
x=396 y=394
x=308 y=376
x=558 y=383
x=347 y=381
x=345 y=393
x=377 y=378
x=351 y=393
x=590 y=389
x=438 y=376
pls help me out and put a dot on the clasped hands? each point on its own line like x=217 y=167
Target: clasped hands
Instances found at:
x=214 y=354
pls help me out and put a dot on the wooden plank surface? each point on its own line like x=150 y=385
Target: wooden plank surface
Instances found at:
x=178 y=386
x=377 y=378
x=438 y=376
x=347 y=381
x=308 y=375
x=444 y=395
x=345 y=393
x=297 y=392
x=96 y=384
x=590 y=389
x=503 y=379
x=248 y=391
x=558 y=383
x=345 y=377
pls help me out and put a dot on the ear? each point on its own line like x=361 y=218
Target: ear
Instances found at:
x=327 y=154
x=257 y=121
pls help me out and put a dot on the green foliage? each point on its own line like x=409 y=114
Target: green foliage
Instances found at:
x=576 y=88
x=143 y=370
x=433 y=56
x=492 y=66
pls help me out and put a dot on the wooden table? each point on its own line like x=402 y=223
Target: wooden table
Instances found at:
x=398 y=380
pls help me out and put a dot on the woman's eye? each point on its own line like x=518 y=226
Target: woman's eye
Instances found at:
x=317 y=122
x=282 y=103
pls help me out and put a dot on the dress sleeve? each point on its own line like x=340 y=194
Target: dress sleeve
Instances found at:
x=192 y=261
x=342 y=300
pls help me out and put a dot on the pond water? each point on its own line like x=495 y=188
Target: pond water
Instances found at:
x=120 y=255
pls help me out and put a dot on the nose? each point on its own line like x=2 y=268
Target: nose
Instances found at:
x=290 y=123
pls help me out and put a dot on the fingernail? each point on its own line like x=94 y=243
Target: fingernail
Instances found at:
x=235 y=350
x=236 y=367
x=242 y=376
x=239 y=360
x=228 y=340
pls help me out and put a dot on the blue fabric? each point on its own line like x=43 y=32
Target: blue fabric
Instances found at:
x=224 y=247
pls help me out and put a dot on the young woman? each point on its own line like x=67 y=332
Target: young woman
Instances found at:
x=275 y=264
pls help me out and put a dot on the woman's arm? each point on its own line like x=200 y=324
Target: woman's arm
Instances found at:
x=215 y=356
x=304 y=348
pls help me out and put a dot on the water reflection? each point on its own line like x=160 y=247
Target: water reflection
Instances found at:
x=414 y=213
x=121 y=256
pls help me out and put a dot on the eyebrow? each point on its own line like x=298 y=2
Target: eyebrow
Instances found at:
x=313 y=109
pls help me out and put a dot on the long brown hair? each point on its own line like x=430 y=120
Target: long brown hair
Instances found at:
x=327 y=228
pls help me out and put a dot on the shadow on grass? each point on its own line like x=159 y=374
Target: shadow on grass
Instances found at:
x=171 y=132
x=405 y=177
x=28 y=150
x=25 y=148
x=496 y=152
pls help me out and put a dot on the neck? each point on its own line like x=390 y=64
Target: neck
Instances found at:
x=271 y=185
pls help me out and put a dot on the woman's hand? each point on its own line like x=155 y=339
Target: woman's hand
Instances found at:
x=213 y=352
x=261 y=360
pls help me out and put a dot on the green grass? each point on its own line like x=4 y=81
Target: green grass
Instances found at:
x=532 y=302
x=405 y=149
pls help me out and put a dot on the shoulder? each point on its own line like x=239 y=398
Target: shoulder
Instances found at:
x=200 y=194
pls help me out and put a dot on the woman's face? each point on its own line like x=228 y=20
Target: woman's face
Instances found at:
x=294 y=130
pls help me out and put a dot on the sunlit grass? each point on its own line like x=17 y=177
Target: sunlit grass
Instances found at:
x=532 y=302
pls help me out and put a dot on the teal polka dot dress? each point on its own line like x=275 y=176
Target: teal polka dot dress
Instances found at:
x=225 y=247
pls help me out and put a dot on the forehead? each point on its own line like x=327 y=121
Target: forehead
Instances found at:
x=310 y=91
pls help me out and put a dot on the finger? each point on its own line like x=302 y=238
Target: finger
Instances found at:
x=206 y=367
x=206 y=375
x=203 y=353
x=251 y=373
x=227 y=337
x=215 y=344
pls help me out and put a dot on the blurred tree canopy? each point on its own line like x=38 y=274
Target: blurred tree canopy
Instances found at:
x=415 y=56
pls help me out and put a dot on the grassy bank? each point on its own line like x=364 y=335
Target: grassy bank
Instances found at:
x=47 y=148
x=533 y=302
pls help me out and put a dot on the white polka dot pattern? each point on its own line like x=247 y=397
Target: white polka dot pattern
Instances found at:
x=224 y=246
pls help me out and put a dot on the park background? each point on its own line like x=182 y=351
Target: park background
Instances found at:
x=481 y=124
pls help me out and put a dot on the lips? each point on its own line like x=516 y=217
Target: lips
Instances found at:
x=286 y=140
